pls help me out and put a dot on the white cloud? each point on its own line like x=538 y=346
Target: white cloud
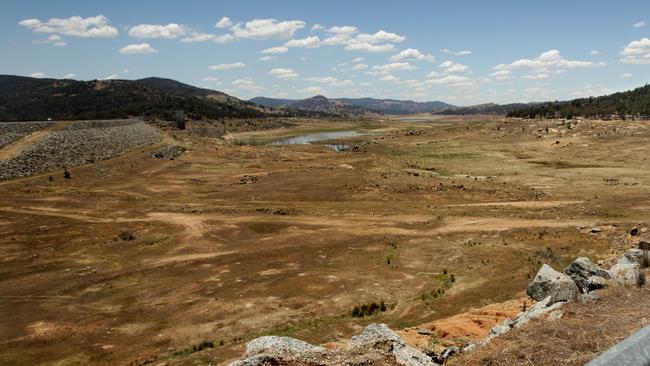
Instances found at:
x=548 y=61
x=247 y=84
x=456 y=53
x=312 y=90
x=140 y=48
x=340 y=35
x=594 y=52
x=203 y=37
x=453 y=67
x=412 y=54
x=358 y=59
x=432 y=74
x=70 y=76
x=453 y=80
x=54 y=40
x=636 y=52
x=109 y=77
x=224 y=22
x=380 y=37
x=210 y=78
x=539 y=76
x=275 y=50
x=169 y=31
x=38 y=74
x=626 y=75
x=283 y=73
x=396 y=66
x=367 y=47
x=91 y=27
x=389 y=78
x=235 y=65
x=309 y=42
x=317 y=27
x=261 y=29
x=331 y=81
x=359 y=67
x=592 y=91
x=640 y=24
x=501 y=75
x=265 y=58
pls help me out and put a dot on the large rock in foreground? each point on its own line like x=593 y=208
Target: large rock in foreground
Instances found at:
x=627 y=274
x=586 y=274
x=549 y=282
x=377 y=345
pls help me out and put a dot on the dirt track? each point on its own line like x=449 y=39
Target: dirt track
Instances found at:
x=237 y=241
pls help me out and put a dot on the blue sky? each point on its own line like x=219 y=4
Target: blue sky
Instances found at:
x=461 y=52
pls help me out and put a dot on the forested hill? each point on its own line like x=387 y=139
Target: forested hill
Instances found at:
x=25 y=98
x=630 y=103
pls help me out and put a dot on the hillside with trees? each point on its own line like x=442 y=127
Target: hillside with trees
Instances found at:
x=25 y=98
x=634 y=103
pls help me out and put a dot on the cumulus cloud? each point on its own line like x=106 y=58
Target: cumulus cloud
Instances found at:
x=640 y=24
x=169 y=31
x=636 y=52
x=452 y=80
x=372 y=48
x=412 y=54
x=261 y=29
x=140 y=48
x=38 y=74
x=275 y=50
x=457 y=53
x=283 y=73
x=70 y=76
x=265 y=58
x=53 y=40
x=247 y=84
x=550 y=60
x=91 y=27
x=194 y=36
x=594 y=52
x=540 y=76
x=389 y=78
x=331 y=81
x=501 y=75
x=235 y=65
x=109 y=77
x=312 y=90
x=453 y=67
x=224 y=22
x=309 y=42
x=396 y=66
x=359 y=67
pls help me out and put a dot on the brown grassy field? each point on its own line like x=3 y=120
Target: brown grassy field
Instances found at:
x=233 y=242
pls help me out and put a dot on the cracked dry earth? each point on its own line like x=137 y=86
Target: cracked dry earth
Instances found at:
x=218 y=255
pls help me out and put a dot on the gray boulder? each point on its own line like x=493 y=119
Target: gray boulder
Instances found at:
x=379 y=336
x=543 y=307
x=275 y=345
x=627 y=274
x=586 y=274
x=551 y=283
x=635 y=256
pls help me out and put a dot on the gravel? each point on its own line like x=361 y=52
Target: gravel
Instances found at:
x=80 y=143
x=12 y=131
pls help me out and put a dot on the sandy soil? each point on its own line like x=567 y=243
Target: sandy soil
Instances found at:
x=232 y=242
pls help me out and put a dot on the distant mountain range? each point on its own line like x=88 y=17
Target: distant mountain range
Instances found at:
x=353 y=106
x=25 y=98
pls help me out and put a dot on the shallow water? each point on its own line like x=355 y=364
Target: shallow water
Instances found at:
x=313 y=137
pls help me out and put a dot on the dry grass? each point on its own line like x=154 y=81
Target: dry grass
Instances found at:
x=583 y=332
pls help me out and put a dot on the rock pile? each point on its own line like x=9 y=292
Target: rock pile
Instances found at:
x=377 y=345
x=80 y=143
x=13 y=131
x=168 y=153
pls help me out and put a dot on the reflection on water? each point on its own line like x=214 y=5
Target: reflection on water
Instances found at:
x=306 y=139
